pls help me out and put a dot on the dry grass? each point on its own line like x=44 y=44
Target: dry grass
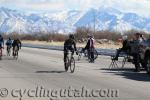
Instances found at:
x=103 y=46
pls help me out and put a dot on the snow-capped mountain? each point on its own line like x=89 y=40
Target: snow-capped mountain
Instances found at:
x=15 y=21
x=113 y=19
x=67 y=21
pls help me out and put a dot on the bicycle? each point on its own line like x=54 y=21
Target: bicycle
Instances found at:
x=8 y=50
x=15 y=52
x=70 y=62
x=80 y=52
x=87 y=54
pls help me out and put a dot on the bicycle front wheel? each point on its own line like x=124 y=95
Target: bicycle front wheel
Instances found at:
x=95 y=54
x=79 y=56
x=72 y=65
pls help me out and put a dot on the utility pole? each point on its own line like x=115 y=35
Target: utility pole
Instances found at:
x=94 y=16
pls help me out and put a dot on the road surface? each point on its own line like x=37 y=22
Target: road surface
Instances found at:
x=39 y=74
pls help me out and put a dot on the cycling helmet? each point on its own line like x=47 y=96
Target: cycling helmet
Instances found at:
x=137 y=34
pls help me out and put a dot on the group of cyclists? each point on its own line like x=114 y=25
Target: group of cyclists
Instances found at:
x=14 y=44
x=70 y=45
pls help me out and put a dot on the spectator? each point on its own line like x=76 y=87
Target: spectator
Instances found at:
x=135 y=51
x=125 y=47
x=90 y=48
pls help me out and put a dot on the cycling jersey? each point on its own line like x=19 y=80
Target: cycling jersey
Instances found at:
x=70 y=45
x=9 y=43
x=16 y=43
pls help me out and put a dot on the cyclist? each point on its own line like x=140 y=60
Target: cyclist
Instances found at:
x=136 y=52
x=15 y=43
x=1 y=44
x=9 y=44
x=69 y=45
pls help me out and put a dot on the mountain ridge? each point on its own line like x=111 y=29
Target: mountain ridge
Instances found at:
x=67 y=21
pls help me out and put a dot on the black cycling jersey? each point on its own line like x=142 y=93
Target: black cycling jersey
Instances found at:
x=16 y=43
x=70 y=44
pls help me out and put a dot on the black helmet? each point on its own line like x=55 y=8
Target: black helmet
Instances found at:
x=71 y=36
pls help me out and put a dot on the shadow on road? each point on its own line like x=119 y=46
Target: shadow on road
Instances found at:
x=50 y=71
x=129 y=73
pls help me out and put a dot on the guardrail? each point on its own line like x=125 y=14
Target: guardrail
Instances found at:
x=106 y=52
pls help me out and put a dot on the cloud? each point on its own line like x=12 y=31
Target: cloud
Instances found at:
x=37 y=5
x=139 y=6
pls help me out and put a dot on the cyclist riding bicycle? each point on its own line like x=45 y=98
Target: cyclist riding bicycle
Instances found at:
x=17 y=43
x=69 y=45
x=1 y=44
x=9 y=44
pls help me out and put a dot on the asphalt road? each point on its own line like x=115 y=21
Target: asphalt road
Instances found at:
x=39 y=74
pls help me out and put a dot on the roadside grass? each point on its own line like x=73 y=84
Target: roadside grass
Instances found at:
x=97 y=45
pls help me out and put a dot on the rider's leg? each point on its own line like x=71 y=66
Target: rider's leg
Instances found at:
x=72 y=52
x=7 y=50
x=13 y=51
x=92 y=55
x=65 y=56
x=117 y=54
x=89 y=54
x=136 y=59
x=1 y=51
x=65 y=60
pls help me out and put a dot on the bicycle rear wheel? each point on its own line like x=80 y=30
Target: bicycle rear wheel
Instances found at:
x=72 y=65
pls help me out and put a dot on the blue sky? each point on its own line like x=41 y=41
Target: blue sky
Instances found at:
x=139 y=6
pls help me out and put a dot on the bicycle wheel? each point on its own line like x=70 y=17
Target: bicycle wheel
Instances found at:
x=16 y=54
x=86 y=53
x=8 y=51
x=72 y=64
x=66 y=64
x=95 y=54
x=79 y=56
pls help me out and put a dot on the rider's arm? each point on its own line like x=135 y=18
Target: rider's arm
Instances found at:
x=65 y=43
x=20 y=44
